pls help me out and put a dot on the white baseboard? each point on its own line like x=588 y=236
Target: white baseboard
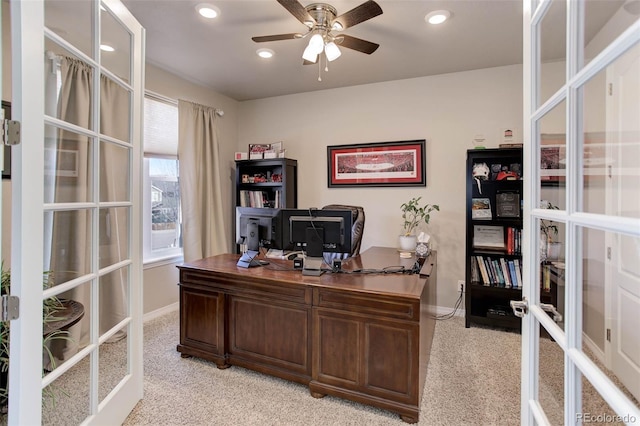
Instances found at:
x=444 y=310
x=160 y=312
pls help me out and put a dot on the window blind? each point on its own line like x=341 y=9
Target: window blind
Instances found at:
x=160 y=127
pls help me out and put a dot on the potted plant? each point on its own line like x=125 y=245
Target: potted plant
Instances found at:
x=51 y=312
x=413 y=215
x=548 y=247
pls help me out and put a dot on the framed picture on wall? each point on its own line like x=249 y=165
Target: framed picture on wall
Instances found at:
x=399 y=163
x=6 y=167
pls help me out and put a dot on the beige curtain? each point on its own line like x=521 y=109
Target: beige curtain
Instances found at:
x=201 y=196
x=69 y=237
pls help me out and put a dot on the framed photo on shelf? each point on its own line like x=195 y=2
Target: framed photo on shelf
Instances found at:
x=399 y=163
x=256 y=150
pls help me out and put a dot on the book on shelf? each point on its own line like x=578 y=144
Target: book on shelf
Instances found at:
x=496 y=272
x=505 y=272
x=483 y=271
x=481 y=209
x=516 y=263
x=488 y=237
x=513 y=240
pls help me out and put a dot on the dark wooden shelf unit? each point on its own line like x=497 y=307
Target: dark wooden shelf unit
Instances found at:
x=286 y=183
x=488 y=303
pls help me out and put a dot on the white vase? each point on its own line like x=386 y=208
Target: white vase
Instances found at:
x=407 y=242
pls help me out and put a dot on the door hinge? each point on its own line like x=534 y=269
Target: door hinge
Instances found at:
x=610 y=89
x=608 y=253
x=10 y=132
x=608 y=334
x=10 y=307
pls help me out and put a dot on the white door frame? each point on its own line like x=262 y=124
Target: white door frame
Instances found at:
x=25 y=379
x=577 y=364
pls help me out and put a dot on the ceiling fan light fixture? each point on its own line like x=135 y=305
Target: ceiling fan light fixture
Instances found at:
x=208 y=11
x=265 y=53
x=437 y=16
x=316 y=44
x=106 y=48
x=310 y=55
x=337 y=26
x=332 y=51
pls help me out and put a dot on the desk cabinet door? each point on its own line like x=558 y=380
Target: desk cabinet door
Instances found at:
x=367 y=354
x=202 y=321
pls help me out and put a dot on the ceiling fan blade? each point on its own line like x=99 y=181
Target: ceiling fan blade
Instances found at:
x=358 y=44
x=365 y=11
x=296 y=9
x=276 y=37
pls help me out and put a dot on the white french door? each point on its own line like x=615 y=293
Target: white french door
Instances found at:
x=590 y=190
x=76 y=211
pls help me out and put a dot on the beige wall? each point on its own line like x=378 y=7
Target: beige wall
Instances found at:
x=446 y=110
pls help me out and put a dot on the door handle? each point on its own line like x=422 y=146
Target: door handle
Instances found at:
x=520 y=307
x=547 y=307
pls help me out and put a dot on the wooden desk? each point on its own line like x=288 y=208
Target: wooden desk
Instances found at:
x=363 y=337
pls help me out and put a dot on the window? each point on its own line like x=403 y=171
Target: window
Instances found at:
x=162 y=222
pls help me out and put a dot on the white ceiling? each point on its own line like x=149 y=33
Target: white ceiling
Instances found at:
x=220 y=54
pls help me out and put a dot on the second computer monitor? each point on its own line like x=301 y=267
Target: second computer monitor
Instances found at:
x=324 y=230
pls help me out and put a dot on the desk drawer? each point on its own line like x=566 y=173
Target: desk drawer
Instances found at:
x=254 y=286
x=368 y=304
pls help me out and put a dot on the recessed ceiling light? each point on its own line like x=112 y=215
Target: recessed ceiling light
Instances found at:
x=106 y=48
x=207 y=10
x=265 y=53
x=437 y=16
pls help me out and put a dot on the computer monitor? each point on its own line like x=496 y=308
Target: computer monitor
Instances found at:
x=258 y=227
x=303 y=226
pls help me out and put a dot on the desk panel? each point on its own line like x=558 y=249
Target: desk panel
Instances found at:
x=360 y=336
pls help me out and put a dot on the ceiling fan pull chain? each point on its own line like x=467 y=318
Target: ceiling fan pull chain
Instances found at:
x=320 y=68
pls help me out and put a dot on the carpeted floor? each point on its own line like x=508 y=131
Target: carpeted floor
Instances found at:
x=473 y=378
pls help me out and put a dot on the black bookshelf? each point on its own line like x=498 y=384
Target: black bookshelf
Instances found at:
x=493 y=251
x=268 y=183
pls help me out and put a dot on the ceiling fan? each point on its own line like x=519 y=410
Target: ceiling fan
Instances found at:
x=322 y=22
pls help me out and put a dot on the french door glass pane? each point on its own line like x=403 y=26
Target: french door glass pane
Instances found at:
x=605 y=21
x=552 y=157
x=67 y=329
x=553 y=30
x=114 y=235
x=115 y=110
x=112 y=363
x=68 y=166
x=114 y=300
x=551 y=380
x=611 y=150
x=66 y=400
x=67 y=244
x=114 y=172
x=116 y=37
x=71 y=20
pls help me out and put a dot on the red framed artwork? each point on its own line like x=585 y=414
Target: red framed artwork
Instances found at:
x=377 y=164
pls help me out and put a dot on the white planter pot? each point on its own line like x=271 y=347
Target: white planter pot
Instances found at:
x=407 y=242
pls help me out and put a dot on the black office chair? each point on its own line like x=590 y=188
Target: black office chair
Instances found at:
x=358 y=225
